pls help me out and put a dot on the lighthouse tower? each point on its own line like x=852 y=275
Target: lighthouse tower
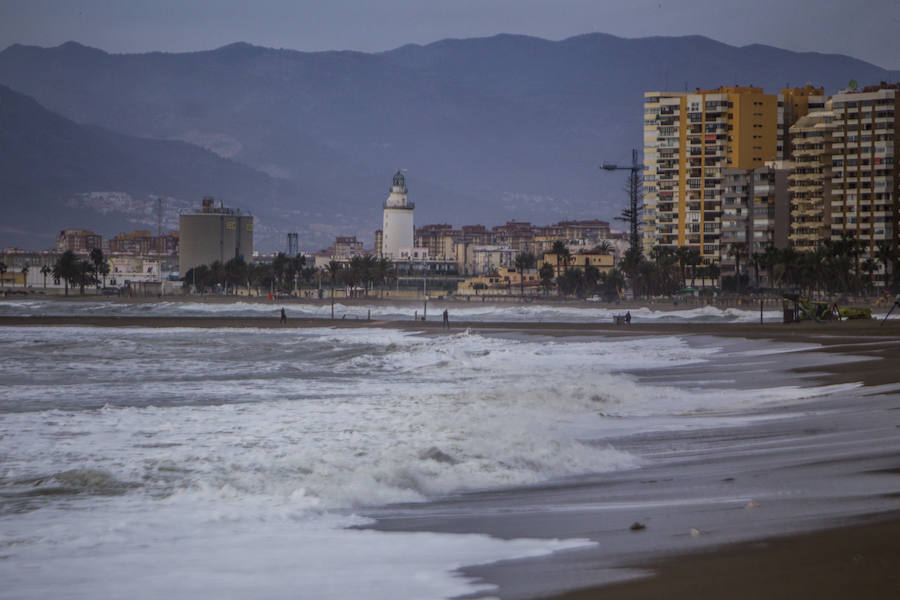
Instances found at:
x=398 y=220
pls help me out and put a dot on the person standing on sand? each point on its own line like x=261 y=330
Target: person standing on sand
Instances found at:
x=628 y=317
x=283 y=316
x=446 y=320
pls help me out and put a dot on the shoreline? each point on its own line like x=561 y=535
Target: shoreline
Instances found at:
x=852 y=557
x=852 y=560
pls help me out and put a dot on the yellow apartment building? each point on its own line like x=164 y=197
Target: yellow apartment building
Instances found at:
x=689 y=140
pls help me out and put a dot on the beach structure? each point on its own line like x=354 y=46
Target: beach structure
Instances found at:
x=398 y=229
x=213 y=233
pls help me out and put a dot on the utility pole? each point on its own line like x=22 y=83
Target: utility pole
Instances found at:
x=632 y=213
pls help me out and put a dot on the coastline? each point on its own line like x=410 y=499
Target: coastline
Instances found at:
x=855 y=560
x=845 y=557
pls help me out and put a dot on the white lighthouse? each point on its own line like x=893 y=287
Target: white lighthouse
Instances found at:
x=398 y=220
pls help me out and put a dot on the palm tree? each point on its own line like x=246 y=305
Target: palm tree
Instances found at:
x=604 y=247
x=384 y=271
x=46 y=270
x=681 y=253
x=3 y=269
x=693 y=259
x=884 y=252
x=98 y=259
x=736 y=251
x=546 y=275
x=66 y=269
x=524 y=260
x=562 y=254
x=25 y=270
x=85 y=274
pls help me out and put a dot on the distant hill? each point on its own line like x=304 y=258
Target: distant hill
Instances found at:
x=56 y=174
x=489 y=129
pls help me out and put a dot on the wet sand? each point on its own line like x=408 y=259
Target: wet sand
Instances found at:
x=853 y=552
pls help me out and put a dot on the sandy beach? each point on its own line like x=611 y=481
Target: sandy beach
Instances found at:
x=851 y=556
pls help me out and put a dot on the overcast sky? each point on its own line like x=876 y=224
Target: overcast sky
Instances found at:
x=866 y=29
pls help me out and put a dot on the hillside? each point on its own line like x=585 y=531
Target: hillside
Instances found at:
x=55 y=174
x=489 y=129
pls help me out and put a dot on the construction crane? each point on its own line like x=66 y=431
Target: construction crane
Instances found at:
x=632 y=213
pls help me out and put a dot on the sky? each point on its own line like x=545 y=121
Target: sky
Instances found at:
x=865 y=29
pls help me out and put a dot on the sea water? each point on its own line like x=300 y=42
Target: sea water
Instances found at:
x=385 y=310
x=222 y=463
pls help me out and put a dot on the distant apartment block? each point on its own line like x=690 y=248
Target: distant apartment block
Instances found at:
x=346 y=247
x=79 y=241
x=143 y=243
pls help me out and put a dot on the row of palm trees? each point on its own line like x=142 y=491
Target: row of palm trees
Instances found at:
x=286 y=274
x=839 y=266
x=75 y=271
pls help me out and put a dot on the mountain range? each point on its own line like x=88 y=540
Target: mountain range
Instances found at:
x=488 y=129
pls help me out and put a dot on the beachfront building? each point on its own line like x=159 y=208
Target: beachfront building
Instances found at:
x=398 y=228
x=865 y=183
x=690 y=139
x=755 y=208
x=793 y=105
x=213 y=233
x=810 y=180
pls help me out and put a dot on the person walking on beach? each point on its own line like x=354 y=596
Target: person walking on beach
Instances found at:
x=283 y=316
x=628 y=317
x=446 y=320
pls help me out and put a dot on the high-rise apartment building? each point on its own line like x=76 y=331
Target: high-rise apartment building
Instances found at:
x=810 y=179
x=754 y=215
x=865 y=183
x=793 y=104
x=689 y=141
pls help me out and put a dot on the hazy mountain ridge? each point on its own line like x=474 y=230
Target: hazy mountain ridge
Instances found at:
x=489 y=128
x=55 y=173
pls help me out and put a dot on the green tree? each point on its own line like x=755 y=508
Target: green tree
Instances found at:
x=235 y=274
x=85 y=274
x=546 y=274
x=67 y=269
x=737 y=251
x=3 y=269
x=604 y=247
x=384 y=272
x=46 y=270
x=884 y=253
x=98 y=259
x=524 y=260
x=562 y=255
x=25 y=270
